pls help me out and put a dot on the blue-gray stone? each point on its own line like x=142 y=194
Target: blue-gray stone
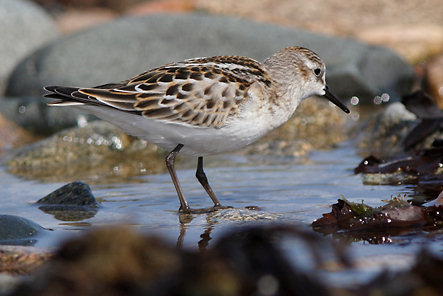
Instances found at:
x=74 y=194
x=71 y=202
x=128 y=46
x=15 y=230
x=24 y=27
x=35 y=116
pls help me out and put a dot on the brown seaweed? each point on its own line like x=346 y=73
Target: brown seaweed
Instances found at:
x=396 y=216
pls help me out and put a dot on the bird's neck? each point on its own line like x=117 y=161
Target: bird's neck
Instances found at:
x=285 y=108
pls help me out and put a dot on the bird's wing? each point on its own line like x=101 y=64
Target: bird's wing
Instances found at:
x=200 y=92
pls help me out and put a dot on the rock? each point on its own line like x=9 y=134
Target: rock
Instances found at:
x=133 y=45
x=72 y=194
x=427 y=133
x=25 y=27
x=97 y=149
x=15 y=230
x=72 y=202
x=434 y=79
x=383 y=133
x=33 y=115
x=407 y=142
x=12 y=135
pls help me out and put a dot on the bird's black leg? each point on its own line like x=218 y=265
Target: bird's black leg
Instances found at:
x=201 y=176
x=170 y=158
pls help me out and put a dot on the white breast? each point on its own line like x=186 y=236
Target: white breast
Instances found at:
x=197 y=141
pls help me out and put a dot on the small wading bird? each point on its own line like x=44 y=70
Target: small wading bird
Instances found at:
x=205 y=106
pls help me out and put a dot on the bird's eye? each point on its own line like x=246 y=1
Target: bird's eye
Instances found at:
x=317 y=71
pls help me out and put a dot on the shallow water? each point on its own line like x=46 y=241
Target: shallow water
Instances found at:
x=295 y=191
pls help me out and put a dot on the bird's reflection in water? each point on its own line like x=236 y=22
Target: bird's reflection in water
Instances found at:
x=185 y=220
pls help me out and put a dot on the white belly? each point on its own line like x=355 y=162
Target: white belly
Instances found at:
x=196 y=141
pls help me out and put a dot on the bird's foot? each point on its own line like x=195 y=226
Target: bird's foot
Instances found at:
x=203 y=210
x=220 y=207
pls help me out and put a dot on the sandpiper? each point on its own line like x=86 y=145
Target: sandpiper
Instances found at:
x=205 y=106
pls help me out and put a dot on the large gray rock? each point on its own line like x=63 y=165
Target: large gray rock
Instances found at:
x=24 y=27
x=33 y=114
x=128 y=46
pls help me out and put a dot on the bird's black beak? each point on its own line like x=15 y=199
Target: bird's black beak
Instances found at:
x=333 y=98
